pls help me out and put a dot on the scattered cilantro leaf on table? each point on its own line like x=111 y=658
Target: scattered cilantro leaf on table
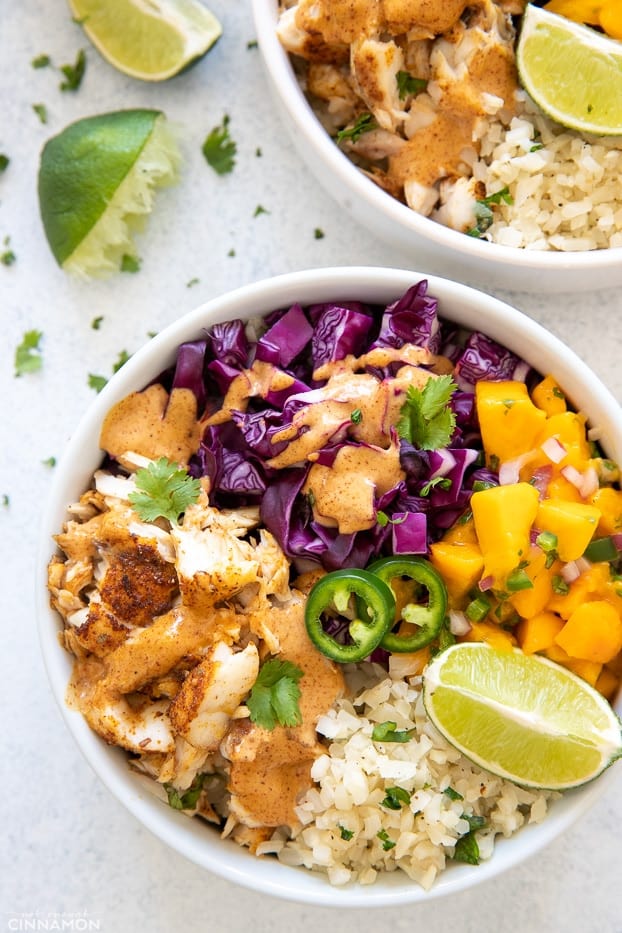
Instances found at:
x=4 y=162
x=96 y=382
x=275 y=694
x=163 y=490
x=219 y=149
x=74 y=73
x=130 y=263
x=41 y=111
x=8 y=257
x=41 y=61
x=426 y=420
x=28 y=358
x=96 y=322
x=50 y=462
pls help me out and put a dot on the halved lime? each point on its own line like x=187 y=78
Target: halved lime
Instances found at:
x=148 y=39
x=522 y=717
x=96 y=182
x=572 y=72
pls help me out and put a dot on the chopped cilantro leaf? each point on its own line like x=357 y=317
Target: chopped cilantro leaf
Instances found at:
x=388 y=732
x=452 y=794
x=483 y=212
x=258 y=152
x=74 y=73
x=364 y=123
x=191 y=282
x=426 y=420
x=231 y=252
x=386 y=842
x=260 y=209
x=189 y=798
x=8 y=257
x=4 y=162
x=5 y=501
x=275 y=694
x=163 y=490
x=41 y=61
x=130 y=263
x=467 y=850
x=345 y=833
x=474 y=821
x=219 y=149
x=96 y=322
x=28 y=358
x=123 y=358
x=96 y=382
x=318 y=233
x=536 y=147
x=357 y=416
x=41 y=111
x=443 y=482
x=408 y=84
x=50 y=462
x=395 y=798
x=252 y=44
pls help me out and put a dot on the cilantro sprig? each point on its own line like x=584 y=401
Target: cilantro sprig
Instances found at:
x=426 y=420
x=364 y=123
x=275 y=694
x=484 y=215
x=188 y=799
x=28 y=358
x=163 y=490
x=219 y=149
x=73 y=73
x=407 y=84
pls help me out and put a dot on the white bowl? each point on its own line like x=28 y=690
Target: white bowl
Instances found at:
x=422 y=242
x=193 y=838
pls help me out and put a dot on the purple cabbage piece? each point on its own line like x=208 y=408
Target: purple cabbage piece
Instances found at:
x=231 y=466
x=316 y=311
x=412 y=319
x=258 y=428
x=409 y=533
x=285 y=339
x=463 y=458
x=338 y=332
x=228 y=343
x=483 y=359
x=189 y=370
x=223 y=374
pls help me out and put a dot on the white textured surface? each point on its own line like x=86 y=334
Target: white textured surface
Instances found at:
x=68 y=848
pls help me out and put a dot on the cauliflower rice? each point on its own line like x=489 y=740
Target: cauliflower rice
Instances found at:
x=352 y=778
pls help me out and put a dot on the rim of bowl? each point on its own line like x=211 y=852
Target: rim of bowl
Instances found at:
x=192 y=838
x=276 y=61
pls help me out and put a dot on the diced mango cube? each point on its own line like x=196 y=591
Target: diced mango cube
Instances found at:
x=574 y=524
x=460 y=565
x=592 y=583
x=538 y=632
x=588 y=670
x=569 y=429
x=503 y=517
x=593 y=632
x=508 y=419
x=492 y=635
x=548 y=396
x=608 y=683
x=609 y=502
x=532 y=600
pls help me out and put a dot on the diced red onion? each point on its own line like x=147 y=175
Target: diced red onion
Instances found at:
x=570 y=572
x=458 y=623
x=541 y=479
x=573 y=476
x=583 y=564
x=590 y=482
x=486 y=583
x=553 y=449
x=509 y=472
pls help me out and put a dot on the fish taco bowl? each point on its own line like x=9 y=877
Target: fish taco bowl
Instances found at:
x=377 y=796
x=454 y=167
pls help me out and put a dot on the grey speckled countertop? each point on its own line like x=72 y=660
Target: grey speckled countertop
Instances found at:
x=69 y=849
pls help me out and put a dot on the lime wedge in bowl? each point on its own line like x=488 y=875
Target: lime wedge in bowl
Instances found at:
x=522 y=717
x=96 y=184
x=572 y=72
x=151 y=40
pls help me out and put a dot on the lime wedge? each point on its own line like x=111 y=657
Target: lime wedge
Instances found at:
x=522 y=717
x=572 y=72
x=96 y=181
x=148 y=39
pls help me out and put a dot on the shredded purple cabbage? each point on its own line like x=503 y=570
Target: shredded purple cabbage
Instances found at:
x=236 y=454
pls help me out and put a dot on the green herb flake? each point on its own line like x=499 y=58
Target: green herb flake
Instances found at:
x=536 y=147
x=96 y=382
x=426 y=420
x=474 y=820
x=467 y=850
x=258 y=152
x=8 y=257
x=388 y=732
x=274 y=698
x=357 y=416
x=74 y=73
x=163 y=490
x=395 y=798
x=219 y=149
x=260 y=209
x=41 y=111
x=5 y=501
x=28 y=358
x=96 y=322
x=130 y=263
x=41 y=61
x=407 y=84
x=387 y=843
x=346 y=834
x=440 y=482
x=382 y=518
x=483 y=213
x=121 y=361
x=559 y=585
x=364 y=123
x=4 y=162
x=192 y=282
x=452 y=794
x=318 y=233
x=252 y=44
x=50 y=462
x=188 y=799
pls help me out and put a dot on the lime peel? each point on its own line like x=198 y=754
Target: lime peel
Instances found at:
x=521 y=717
